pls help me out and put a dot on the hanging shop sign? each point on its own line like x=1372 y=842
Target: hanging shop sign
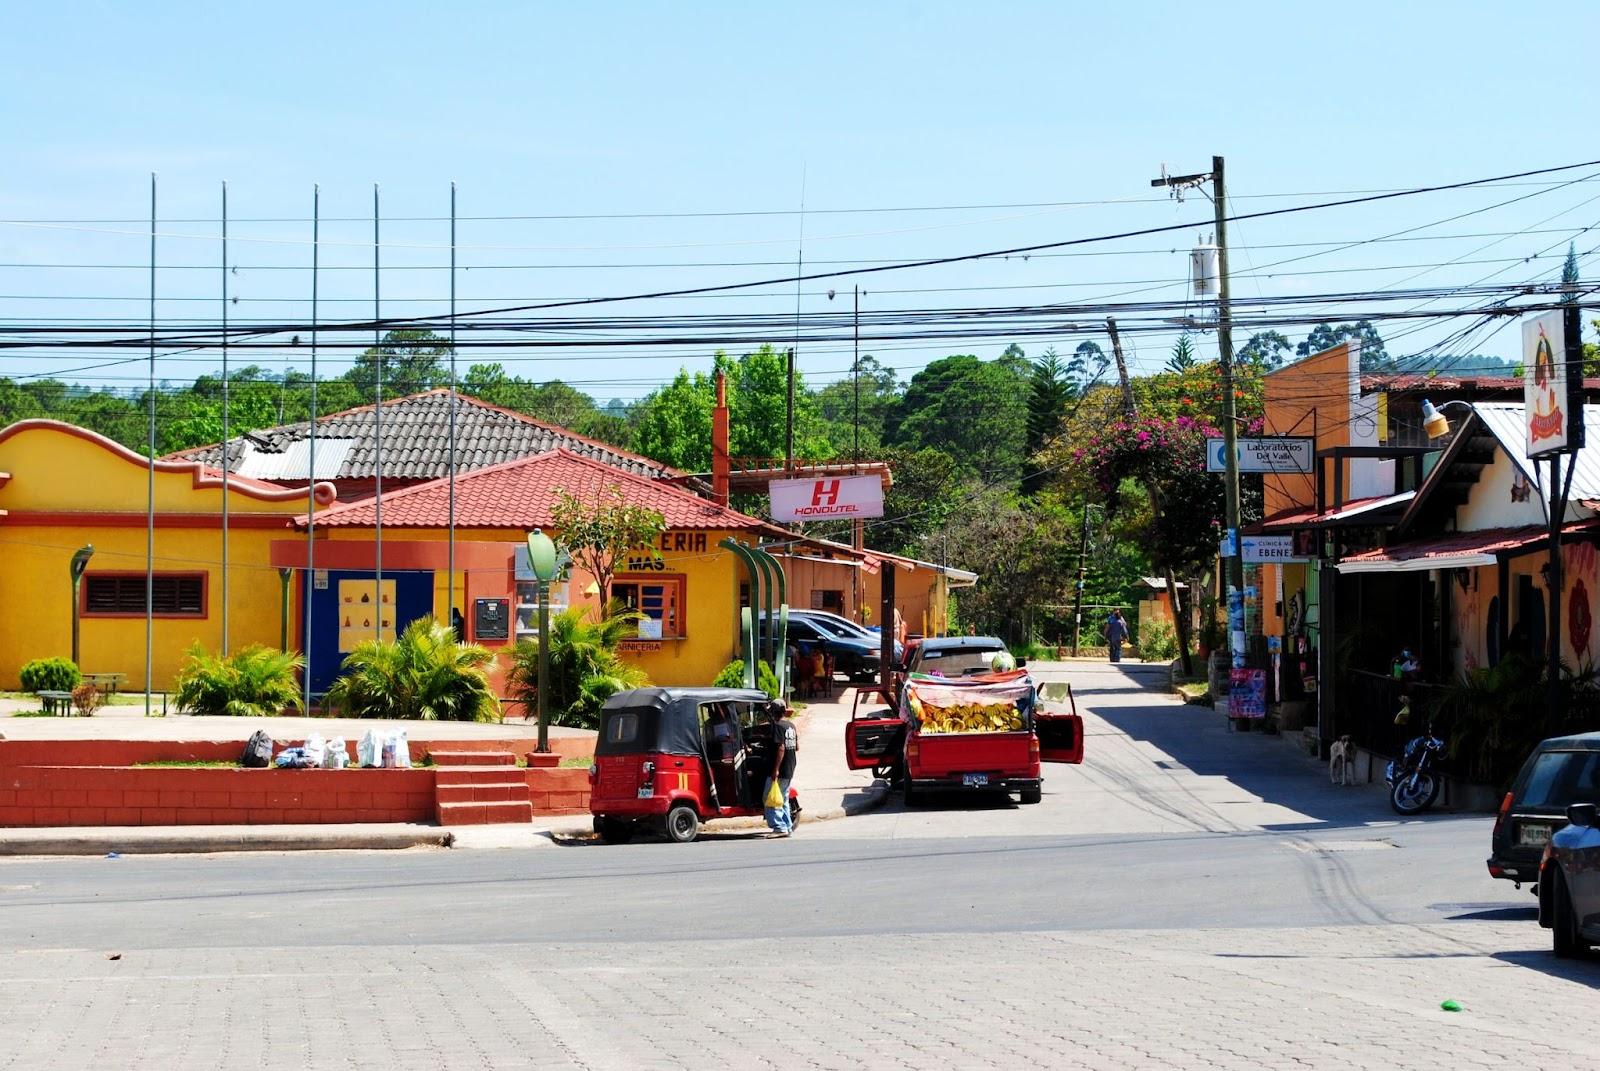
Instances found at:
x=1277 y=454
x=827 y=499
x=1260 y=549
x=1550 y=383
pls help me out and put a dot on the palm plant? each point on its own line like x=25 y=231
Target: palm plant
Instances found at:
x=425 y=675
x=585 y=666
x=253 y=682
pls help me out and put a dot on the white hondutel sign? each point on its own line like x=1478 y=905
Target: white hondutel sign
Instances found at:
x=827 y=498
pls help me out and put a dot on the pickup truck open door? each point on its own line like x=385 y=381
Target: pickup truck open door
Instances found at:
x=872 y=737
x=1060 y=732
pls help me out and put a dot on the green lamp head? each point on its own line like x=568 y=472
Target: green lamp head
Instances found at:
x=542 y=555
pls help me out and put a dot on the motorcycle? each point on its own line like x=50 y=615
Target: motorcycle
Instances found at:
x=1413 y=779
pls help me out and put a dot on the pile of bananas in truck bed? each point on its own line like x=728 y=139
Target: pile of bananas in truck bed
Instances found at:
x=969 y=718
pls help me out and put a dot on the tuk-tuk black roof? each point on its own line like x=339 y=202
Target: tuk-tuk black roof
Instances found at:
x=669 y=717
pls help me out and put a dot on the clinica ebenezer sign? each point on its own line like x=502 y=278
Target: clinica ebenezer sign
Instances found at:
x=827 y=498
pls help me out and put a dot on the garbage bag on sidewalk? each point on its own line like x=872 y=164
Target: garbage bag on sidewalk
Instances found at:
x=257 y=751
x=294 y=758
x=315 y=749
x=369 y=752
x=337 y=756
x=396 y=751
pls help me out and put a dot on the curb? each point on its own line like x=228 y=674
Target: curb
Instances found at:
x=264 y=841
x=876 y=796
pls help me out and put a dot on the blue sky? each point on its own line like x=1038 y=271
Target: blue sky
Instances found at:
x=634 y=108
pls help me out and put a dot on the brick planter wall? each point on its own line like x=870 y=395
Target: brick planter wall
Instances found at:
x=122 y=796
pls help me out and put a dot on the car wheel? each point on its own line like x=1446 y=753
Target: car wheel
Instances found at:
x=1032 y=795
x=613 y=830
x=1568 y=942
x=682 y=824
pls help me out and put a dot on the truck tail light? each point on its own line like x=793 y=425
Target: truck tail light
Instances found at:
x=913 y=749
x=594 y=772
x=1033 y=748
x=1500 y=816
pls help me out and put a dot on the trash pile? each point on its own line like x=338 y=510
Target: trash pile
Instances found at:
x=377 y=749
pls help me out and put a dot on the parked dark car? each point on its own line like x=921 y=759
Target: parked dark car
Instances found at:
x=1569 y=880
x=854 y=656
x=1561 y=771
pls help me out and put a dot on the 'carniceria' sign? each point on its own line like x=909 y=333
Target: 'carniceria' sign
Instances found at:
x=1279 y=454
x=826 y=499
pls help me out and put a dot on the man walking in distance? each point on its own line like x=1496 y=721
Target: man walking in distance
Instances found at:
x=1116 y=634
x=785 y=751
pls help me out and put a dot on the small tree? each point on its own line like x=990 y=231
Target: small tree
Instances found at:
x=597 y=534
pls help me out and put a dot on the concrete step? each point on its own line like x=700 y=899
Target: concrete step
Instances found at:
x=476 y=775
x=495 y=792
x=473 y=758
x=480 y=814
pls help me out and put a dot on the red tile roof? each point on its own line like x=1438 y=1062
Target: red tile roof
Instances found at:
x=1301 y=518
x=521 y=493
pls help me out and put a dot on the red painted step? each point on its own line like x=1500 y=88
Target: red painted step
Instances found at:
x=476 y=775
x=472 y=758
x=490 y=792
x=478 y=814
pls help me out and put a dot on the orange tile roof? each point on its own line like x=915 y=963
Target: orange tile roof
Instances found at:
x=521 y=494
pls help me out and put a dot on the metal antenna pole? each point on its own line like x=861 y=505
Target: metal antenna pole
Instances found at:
x=311 y=485
x=855 y=375
x=452 y=563
x=224 y=418
x=150 y=487
x=377 y=417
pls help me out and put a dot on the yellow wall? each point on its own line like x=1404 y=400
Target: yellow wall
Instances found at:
x=711 y=598
x=67 y=489
x=1310 y=398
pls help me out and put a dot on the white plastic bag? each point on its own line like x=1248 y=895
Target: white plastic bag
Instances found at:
x=316 y=750
x=369 y=752
x=337 y=756
x=396 y=752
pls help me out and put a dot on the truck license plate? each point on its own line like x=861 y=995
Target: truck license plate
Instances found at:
x=1533 y=835
x=975 y=780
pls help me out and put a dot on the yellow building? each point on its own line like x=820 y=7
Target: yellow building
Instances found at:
x=688 y=591
x=62 y=488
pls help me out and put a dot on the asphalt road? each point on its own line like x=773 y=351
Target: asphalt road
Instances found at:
x=1178 y=864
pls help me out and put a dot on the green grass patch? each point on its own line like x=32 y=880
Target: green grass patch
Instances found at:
x=31 y=714
x=569 y=762
x=190 y=764
x=1193 y=690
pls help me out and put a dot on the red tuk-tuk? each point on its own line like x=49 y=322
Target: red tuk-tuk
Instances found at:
x=668 y=759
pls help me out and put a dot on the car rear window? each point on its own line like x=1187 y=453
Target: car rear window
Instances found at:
x=957 y=662
x=1560 y=778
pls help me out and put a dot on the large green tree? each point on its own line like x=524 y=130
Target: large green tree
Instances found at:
x=412 y=361
x=974 y=411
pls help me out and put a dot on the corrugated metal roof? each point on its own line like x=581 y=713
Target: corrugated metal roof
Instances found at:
x=1505 y=422
x=416 y=440
x=294 y=461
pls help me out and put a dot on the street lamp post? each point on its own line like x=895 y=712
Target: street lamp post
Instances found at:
x=542 y=560
x=80 y=562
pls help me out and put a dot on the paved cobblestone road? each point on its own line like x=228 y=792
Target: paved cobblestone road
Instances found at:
x=1186 y=899
x=1348 y=997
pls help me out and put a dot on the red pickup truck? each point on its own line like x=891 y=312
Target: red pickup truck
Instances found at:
x=986 y=733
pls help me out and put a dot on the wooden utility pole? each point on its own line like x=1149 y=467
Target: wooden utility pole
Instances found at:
x=1130 y=408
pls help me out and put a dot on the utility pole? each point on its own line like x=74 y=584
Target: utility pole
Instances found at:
x=1077 y=602
x=1219 y=201
x=788 y=454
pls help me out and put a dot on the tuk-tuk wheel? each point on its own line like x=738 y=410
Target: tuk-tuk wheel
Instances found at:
x=613 y=830
x=682 y=824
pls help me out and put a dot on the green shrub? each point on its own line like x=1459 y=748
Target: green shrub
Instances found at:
x=1157 y=641
x=732 y=676
x=425 y=675
x=50 y=675
x=585 y=666
x=253 y=682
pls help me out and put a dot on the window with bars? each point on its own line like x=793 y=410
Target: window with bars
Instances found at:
x=122 y=594
x=660 y=599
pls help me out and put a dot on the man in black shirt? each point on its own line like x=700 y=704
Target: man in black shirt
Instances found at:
x=785 y=751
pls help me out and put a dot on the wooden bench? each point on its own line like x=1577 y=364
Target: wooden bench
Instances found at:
x=107 y=683
x=55 y=703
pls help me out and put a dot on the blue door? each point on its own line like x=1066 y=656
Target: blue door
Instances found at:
x=349 y=608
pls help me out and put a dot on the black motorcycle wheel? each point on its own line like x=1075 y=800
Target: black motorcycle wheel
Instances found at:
x=1405 y=799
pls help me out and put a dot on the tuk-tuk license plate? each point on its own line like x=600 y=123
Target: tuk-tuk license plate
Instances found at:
x=1533 y=835
x=646 y=792
x=975 y=780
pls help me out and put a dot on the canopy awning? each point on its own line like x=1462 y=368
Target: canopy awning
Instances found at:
x=1460 y=550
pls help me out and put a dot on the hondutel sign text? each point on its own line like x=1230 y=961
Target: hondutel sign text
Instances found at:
x=827 y=498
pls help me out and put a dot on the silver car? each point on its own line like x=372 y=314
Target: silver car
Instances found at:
x=1569 y=882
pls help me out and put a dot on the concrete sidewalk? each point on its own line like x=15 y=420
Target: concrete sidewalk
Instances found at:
x=827 y=788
